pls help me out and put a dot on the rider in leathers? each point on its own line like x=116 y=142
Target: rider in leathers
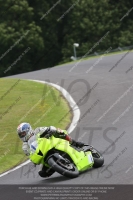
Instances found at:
x=28 y=136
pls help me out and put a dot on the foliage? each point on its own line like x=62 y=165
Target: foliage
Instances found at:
x=53 y=26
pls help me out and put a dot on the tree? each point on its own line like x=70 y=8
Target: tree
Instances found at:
x=18 y=33
x=46 y=31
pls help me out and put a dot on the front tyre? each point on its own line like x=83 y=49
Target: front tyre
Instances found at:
x=64 y=168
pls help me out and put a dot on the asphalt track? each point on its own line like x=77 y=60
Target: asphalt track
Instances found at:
x=110 y=95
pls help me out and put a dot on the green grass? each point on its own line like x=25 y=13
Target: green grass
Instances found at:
x=27 y=101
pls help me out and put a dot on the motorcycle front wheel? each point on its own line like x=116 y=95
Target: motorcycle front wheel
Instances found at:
x=63 y=167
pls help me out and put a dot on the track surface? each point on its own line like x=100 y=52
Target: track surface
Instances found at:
x=114 y=94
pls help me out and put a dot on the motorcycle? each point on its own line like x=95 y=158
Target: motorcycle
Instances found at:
x=59 y=155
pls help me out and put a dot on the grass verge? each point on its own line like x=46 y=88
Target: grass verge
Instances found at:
x=27 y=101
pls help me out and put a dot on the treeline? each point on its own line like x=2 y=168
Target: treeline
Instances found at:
x=40 y=34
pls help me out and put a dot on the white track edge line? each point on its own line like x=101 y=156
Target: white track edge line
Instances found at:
x=76 y=116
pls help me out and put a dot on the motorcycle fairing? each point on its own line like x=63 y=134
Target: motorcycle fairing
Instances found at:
x=81 y=159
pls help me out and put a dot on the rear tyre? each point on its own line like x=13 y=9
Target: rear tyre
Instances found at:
x=98 y=158
x=66 y=169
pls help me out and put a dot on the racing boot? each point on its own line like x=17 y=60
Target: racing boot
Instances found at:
x=46 y=172
x=77 y=144
x=72 y=141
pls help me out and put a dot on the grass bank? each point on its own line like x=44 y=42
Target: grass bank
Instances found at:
x=27 y=101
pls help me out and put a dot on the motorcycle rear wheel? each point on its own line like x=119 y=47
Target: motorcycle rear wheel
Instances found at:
x=98 y=158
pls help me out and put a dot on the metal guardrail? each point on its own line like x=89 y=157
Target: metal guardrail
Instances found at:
x=119 y=49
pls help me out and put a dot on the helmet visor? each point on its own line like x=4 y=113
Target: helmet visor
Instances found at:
x=22 y=134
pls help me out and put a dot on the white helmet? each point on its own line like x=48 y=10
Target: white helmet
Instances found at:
x=25 y=131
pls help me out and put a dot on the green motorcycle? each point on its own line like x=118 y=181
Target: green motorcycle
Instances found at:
x=59 y=155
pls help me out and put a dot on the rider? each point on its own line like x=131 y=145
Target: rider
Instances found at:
x=28 y=136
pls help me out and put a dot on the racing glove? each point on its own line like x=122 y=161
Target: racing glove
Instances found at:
x=25 y=148
x=48 y=132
